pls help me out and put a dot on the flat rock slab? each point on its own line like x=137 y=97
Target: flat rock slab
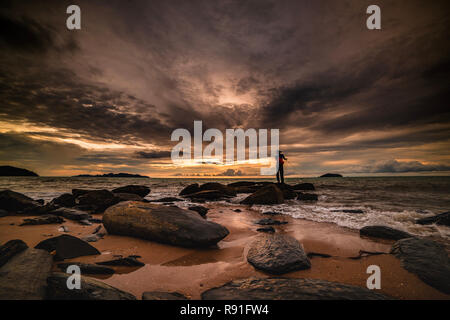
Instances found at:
x=44 y=219
x=383 y=232
x=426 y=258
x=91 y=289
x=277 y=254
x=67 y=247
x=130 y=261
x=289 y=289
x=171 y=225
x=24 y=276
x=158 y=295
x=10 y=249
x=87 y=268
x=270 y=222
x=71 y=214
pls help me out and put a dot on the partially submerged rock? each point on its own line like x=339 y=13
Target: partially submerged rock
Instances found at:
x=289 y=289
x=44 y=219
x=277 y=254
x=163 y=224
x=383 y=232
x=269 y=194
x=127 y=197
x=167 y=199
x=87 y=268
x=192 y=188
x=440 y=219
x=269 y=222
x=426 y=258
x=307 y=197
x=24 y=276
x=65 y=200
x=140 y=190
x=227 y=191
x=212 y=195
x=159 y=295
x=303 y=186
x=10 y=249
x=67 y=247
x=266 y=229
x=97 y=200
x=90 y=289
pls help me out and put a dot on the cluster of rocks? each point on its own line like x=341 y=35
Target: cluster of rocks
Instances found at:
x=260 y=192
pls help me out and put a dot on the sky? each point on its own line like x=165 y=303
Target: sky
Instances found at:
x=106 y=98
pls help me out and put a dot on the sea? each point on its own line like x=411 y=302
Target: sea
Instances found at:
x=391 y=201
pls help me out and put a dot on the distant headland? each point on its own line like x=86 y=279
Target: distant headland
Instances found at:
x=331 y=175
x=111 y=175
x=9 y=171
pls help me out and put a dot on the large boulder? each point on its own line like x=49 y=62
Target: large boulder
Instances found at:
x=289 y=289
x=141 y=191
x=303 y=186
x=67 y=247
x=426 y=258
x=211 y=195
x=15 y=202
x=10 y=249
x=163 y=224
x=127 y=197
x=277 y=254
x=90 y=289
x=288 y=192
x=228 y=191
x=441 y=219
x=200 y=210
x=97 y=200
x=24 y=276
x=269 y=194
x=192 y=188
x=65 y=200
x=383 y=232
x=241 y=184
x=307 y=197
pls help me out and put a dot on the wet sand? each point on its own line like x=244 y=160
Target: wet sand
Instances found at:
x=192 y=271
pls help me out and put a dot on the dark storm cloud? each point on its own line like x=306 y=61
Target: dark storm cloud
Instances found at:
x=137 y=70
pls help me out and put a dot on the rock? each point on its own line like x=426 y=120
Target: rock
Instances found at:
x=277 y=254
x=247 y=189
x=87 y=268
x=237 y=210
x=94 y=220
x=268 y=222
x=67 y=247
x=289 y=289
x=228 y=191
x=163 y=224
x=44 y=219
x=304 y=186
x=10 y=249
x=356 y=211
x=383 y=232
x=192 y=188
x=127 y=197
x=241 y=184
x=141 y=191
x=98 y=200
x=271 y=213
x=307 y=197
x=92 y=237
x=9 y=171
x=269 y=194
x=70 y=213
x=85 y=222
x=40 y=201
x=130 y=261
x=167 y=199
x=331 y=175
x=91 y=289
x=441 y=219
x=80 y=192
x=426 y=258
x=266 y=229
x=65 y=200
x=200 y=210
x=24 y=276
x=158 y=295
x=14 y=202
x=63 y=229
x=211 y=195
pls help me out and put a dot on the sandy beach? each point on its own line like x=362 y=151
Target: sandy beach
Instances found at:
x=192 y=271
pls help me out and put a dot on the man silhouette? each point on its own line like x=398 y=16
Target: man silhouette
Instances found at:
x=280 y=172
